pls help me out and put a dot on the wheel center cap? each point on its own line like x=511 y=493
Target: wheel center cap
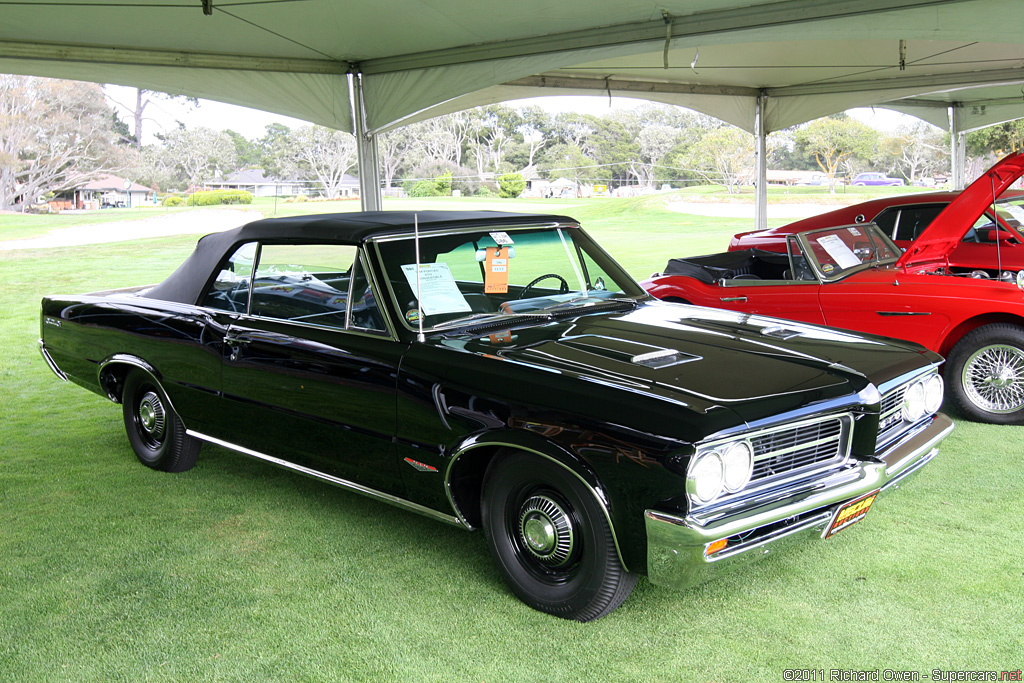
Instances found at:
x=539 y=533
x=147 y=416
x=1004 y=377
x=546 y=531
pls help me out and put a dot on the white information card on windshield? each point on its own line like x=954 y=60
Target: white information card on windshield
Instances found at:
x=440 y=293
x=835 y=247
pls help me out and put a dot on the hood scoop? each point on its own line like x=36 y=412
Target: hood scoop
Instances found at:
x=781 y=332
x=635 y=353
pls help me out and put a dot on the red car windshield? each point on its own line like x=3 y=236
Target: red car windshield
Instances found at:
x=835 y=252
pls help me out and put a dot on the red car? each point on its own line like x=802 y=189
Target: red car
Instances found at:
x=904 y=218
x=855 y=277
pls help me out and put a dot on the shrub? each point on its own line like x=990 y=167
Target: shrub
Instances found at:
x=173 y=200
x=511 y=185
x=423 y=188
x=444 y=184
x=215 y=197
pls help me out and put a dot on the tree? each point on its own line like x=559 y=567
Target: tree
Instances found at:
x=275 y=149
x=247 y=153
x=656 y=141
x=394 y=149
x=328 y=154
x=196 y=155
x=834 y=140
x=723 y=155
x=53 y=135
x=511 y=185
x=998 y=140
x=143 y=98
x=916 y=150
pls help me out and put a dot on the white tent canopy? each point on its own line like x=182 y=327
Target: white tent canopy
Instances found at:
x=761 y=65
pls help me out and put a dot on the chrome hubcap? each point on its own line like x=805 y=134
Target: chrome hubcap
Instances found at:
x=993 y=378
x=546 y=531
x=151 y=415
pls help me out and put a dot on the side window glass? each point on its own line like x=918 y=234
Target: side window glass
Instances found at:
x=230 y=288
x=887 y=222
x=915 y=219
x=303 y=282
x=364 y=309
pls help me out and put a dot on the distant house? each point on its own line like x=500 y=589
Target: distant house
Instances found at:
x=105 y=191
x=254 y=180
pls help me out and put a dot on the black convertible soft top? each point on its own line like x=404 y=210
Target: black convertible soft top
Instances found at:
x=186 y=284
x=731 y=264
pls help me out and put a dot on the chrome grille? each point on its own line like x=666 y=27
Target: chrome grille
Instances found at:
x=890 y=419
x=799 y=446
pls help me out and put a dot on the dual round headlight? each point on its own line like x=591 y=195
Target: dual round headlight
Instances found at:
x=725 y=468
x=922 y=397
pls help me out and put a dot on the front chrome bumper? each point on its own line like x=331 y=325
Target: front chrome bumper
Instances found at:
x=676 y=546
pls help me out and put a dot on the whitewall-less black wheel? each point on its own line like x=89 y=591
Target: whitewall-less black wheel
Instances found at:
x=550 y=538
x=985 y=374
x=154 y=430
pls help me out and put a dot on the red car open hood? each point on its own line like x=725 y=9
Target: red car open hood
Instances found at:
x=949 y=227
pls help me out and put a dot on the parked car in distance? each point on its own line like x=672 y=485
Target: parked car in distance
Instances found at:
x=501 y=372
x=872 y=178
x=854 y=277
x=982 y=251
x=814 y=180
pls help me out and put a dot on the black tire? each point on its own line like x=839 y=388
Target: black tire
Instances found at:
x=676 y=300
x=985 y=374
x=154 y=430
x=571 y=569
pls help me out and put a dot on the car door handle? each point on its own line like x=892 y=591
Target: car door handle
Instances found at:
x=236 y=344
x=740 y=299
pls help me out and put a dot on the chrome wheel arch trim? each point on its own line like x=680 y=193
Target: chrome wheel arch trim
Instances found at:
x=331 y=479
x=135 y=362
x=139 y=364
x=503 y=444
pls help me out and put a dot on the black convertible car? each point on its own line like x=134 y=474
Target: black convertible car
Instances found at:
x=500 y=371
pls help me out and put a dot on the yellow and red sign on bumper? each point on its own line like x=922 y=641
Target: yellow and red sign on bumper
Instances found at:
x=849 y=514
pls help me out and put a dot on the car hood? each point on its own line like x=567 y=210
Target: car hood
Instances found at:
x=706 y=359
x=945 y=232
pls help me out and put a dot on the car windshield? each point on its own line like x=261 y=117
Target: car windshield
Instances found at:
x=1011 y=218
x=470 y=276
x=836 y=252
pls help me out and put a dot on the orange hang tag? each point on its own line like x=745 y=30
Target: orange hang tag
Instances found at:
x=496 y=270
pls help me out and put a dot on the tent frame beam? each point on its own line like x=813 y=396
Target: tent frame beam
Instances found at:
x=92 y=54
x=366 y=149
x=698 y=24
x=761 y=161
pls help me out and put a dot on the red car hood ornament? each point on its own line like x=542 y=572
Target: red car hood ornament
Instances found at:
x=949 y=227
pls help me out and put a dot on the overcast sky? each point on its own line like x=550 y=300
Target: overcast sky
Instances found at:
x=163 y=115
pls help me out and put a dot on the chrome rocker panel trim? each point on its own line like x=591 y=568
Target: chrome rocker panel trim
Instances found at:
x=337 y=481
x=676 y=545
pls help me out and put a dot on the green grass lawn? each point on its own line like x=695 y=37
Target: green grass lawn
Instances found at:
x=237 y=571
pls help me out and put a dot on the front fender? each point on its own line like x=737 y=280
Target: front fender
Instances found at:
x=472 y=455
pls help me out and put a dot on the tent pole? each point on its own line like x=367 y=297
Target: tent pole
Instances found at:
x=958 y=148
x=366 y=148
x=761 y=159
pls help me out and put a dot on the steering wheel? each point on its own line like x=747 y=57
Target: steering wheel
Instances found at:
x=864 y=251
x=563 y=289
